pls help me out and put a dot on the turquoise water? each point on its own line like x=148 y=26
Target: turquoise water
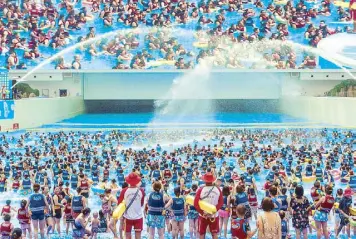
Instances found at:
x=132 y=120
x=198 y=118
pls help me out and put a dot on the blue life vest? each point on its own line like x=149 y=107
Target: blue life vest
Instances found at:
x=41 y=178
x=277 y=203
x=189 y=177
x=309 y=170
x=248 y=180
x=121 y=178
x=77 y=204
x=284 y=205
x=284 y=228
x=81 y=164
x=227 y=175
x=191 y=207
x=156 y=174
x=241 y=198
x=270 y=176
x=37 y=203
x=55 y=170
x=7 y=170
x=289 y=170
x=179 y=168
x=26 y=183
x=65 y=175
x=155 y=203
x=95 y=179
x=2 y=185
x=94 y=167
x=174 y=176
x=143 y=183
x=298 y=174
x=318 y=172
x=74 y=180
x=224 y=206
x=87 y=167
x=178 y=206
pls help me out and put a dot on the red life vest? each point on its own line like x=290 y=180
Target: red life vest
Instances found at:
x=15 y=185
x=328 y=203
x=282 y=173
x=34 y=12
x=237 y=229
x=6 y=210
x=252 y=200
x=167 y=173
x=23 y=216
x=5 y=229
x=68 y=211
x=84 y=185
x=314 y=194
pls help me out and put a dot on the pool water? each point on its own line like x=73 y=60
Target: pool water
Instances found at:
x=183 y=33
x=171 y=139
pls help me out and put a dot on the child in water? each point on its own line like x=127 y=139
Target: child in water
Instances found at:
x=284 y=224
x=95 y=225
x=6 y=227
x=7 y=208
x=24 y=219
x=240 y=228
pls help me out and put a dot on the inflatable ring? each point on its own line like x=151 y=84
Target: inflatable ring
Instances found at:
x=89 y=18
x=205 y=206
x=310 y=179
x=336 y=174
x=201 y=44
x=281 y=20
x=18 y=31
x=352 y=222
x=353 y=211
x=161 y=62
x=345 y=4
x=280 y=2
x=294 y=179
x=98 y=190
x=119 y=210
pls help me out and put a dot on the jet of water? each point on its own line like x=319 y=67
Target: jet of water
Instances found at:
x=189 y=95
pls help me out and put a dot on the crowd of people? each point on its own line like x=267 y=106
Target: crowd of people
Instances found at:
x=32 y=31
x=278 y=183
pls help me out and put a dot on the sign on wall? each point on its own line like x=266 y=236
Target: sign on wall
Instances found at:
x=7 y=109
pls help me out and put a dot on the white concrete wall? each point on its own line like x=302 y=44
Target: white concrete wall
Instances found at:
x=73 y=84
x=339 y=111
x=35 y=112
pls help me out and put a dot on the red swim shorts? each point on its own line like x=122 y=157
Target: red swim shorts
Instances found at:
x=204 y=223
x=136 y=224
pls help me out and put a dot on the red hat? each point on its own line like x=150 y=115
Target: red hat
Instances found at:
x=209 y=177
x=133 y=179
x=348 y=192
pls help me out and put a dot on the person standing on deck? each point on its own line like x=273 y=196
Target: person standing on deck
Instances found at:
x=213 y=195
x=134 y=198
